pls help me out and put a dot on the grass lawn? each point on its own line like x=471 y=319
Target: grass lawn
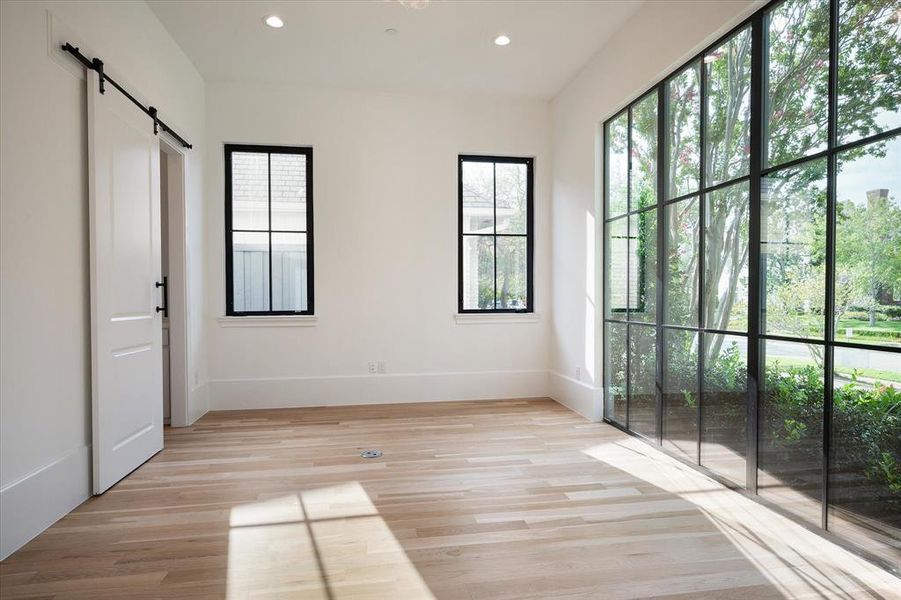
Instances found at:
x=891 y=325
x=884 y=332
x=890 y=330
x=877 y=374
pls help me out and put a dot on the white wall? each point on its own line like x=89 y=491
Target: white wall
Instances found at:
x=657 y=39
x=386 y=235
x=385 y=202
x=44 y=278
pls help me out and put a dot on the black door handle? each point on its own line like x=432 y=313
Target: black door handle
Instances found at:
x=165 y=285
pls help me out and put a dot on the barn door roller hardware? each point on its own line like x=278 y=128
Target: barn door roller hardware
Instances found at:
x=95 y=64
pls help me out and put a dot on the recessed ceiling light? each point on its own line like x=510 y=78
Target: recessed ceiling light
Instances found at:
x=391 y=31
x=274 y=21
x=501 y=40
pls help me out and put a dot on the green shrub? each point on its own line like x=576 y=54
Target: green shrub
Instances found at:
x=884 y=312
x=866 y=426
x=865 y=463
x=892 y=311
x=859 y=315
x=879 y=332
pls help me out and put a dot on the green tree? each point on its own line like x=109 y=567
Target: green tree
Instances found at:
x=797 y=120
x=867 y=252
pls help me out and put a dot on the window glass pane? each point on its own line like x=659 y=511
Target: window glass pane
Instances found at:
x=680 y=392
x=682 y=262
x=478 y=272
x=250 y=271
x=869 y=69
x=478 y=197
x=511 y=273
x=724 y=436
x=617 y=165
x=683 y=132
x=792 y=248
x=512 y=183
x=726 y=259
x=868 y=244
x=289 y=271
x=642 y=379
x=615 y=371
x=865 y=465
x=727 y=145
x=790 y=451
x=643 y=266
x=643 y=178
x=289 y=191
x=250 y=190
x=617 y=254
x=797 y=55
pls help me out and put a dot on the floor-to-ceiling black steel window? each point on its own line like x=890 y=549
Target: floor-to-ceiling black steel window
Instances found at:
x=268 y=230
x=752 y=272
x=496 y=223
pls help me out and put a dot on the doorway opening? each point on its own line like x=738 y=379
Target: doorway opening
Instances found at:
x=173 y=257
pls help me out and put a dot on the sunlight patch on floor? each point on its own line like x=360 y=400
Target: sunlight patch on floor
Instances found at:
x=327 y=543
x=788 y=555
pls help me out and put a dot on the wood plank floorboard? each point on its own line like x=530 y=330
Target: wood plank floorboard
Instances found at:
x=516 y=499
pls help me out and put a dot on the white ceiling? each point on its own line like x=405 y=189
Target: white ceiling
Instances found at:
x=449 y=45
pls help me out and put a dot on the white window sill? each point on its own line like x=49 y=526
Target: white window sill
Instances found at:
x=500 y=318
x=273 y=321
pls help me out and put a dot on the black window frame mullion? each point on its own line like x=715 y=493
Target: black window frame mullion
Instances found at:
x=702 y=248
x=829 y=330
x=629 y=215
x=662 y=167
x=229 y=235
x=269 y=217
x=494 y=235
x=605 y=169
x=494 y=227
x=310 y=246
x=757 y=159
x=269 y=150
x=607 y=410
x=837 y=149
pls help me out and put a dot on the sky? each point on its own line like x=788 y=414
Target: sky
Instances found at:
x=867 y=173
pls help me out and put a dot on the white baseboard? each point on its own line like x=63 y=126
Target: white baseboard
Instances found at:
x=578 y=396
x=32 y=503
x=198 y=402
x=293 y=392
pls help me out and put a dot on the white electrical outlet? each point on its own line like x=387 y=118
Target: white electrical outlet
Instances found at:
x=372 y=366
x=382 y=367
x=578 y=373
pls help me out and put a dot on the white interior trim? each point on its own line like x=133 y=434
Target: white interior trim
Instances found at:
x=35 y=501
x=271 y=321
x=578 y=396
x=389 y=388
x=488 y=318
x=179 y=392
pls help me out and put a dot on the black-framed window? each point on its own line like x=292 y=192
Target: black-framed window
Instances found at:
x=496 y=226
x=752 y=220
x=268 y=230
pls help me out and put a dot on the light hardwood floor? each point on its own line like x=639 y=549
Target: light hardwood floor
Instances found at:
x=492 y=499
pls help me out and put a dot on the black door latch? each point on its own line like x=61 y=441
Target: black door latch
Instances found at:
x=165 y=307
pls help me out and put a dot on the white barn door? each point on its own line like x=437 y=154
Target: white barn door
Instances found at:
x=126 y=332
